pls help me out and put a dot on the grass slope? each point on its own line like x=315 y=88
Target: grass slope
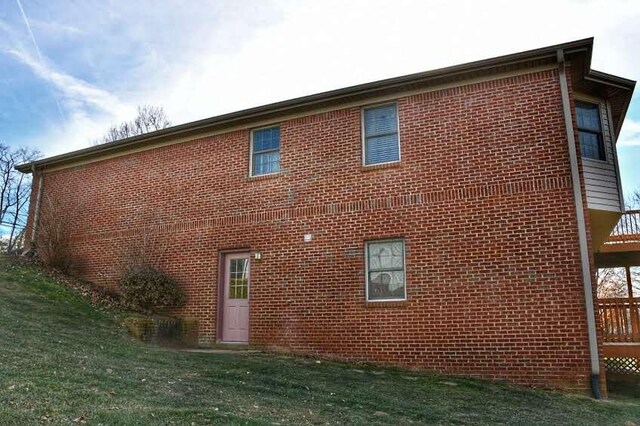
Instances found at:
x=63 y=361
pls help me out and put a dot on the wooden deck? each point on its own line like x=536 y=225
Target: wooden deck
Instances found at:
x=625 y=237
x=622 y=247
x=621 y=334
x=620 y=317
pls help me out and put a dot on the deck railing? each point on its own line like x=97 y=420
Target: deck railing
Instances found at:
x=627 y=230
x=620 y=319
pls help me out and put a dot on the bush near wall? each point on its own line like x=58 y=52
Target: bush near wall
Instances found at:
x=146 y=288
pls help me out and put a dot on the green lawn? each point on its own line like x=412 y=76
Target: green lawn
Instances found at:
x=63 y=361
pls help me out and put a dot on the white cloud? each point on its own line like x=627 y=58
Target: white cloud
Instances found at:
x=55 y=29
x=317 y=46
x=216 y=57
x=630 y=134
x=88 y=109
x=73 y=89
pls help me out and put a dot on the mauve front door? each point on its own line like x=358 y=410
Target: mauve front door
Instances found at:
x=235 y=313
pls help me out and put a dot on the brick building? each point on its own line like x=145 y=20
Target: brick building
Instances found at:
x=445 y=220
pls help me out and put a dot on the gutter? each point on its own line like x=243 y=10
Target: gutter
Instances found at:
x=36 y=213
x=582 y=230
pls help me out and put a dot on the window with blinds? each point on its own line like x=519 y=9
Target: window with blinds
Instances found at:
x=265 y=151
x=590 y=131
x=380 y=129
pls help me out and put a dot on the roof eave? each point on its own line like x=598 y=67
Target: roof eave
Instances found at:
x=624 y=88
x=331 y=97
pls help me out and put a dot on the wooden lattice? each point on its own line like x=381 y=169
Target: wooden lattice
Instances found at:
x=622 y=365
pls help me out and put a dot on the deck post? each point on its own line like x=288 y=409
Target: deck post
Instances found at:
x=633 y=308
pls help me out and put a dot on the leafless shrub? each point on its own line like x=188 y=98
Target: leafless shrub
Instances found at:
x=143 y=250
x=52 y=236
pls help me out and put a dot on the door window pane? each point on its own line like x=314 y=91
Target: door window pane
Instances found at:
x=239 y=279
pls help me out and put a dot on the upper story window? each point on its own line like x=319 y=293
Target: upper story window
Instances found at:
x=385 y=270
x=380 y=129
x=265 y=151
x=590 y=131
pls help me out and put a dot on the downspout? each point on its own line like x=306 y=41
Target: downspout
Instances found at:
x=36 y=213
x=582 y=230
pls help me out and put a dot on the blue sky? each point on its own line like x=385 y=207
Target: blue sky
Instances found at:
x=69 y=69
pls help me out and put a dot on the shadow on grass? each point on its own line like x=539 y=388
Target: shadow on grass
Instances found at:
x=624 y=387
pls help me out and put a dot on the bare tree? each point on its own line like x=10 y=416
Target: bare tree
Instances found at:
x=15 y=188
x=17 y=217
x=149 y=119
x=633 y=202
x=612 y=282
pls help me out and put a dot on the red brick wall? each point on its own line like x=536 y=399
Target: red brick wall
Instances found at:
x=482 y=198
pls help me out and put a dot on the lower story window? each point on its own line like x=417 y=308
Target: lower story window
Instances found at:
x=385 y=270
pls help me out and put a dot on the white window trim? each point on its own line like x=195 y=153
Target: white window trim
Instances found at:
x=270 y=126
x=599 y=103
x=364 y=136
x=366 y=268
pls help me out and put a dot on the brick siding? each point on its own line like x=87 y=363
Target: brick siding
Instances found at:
x=482 y=198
